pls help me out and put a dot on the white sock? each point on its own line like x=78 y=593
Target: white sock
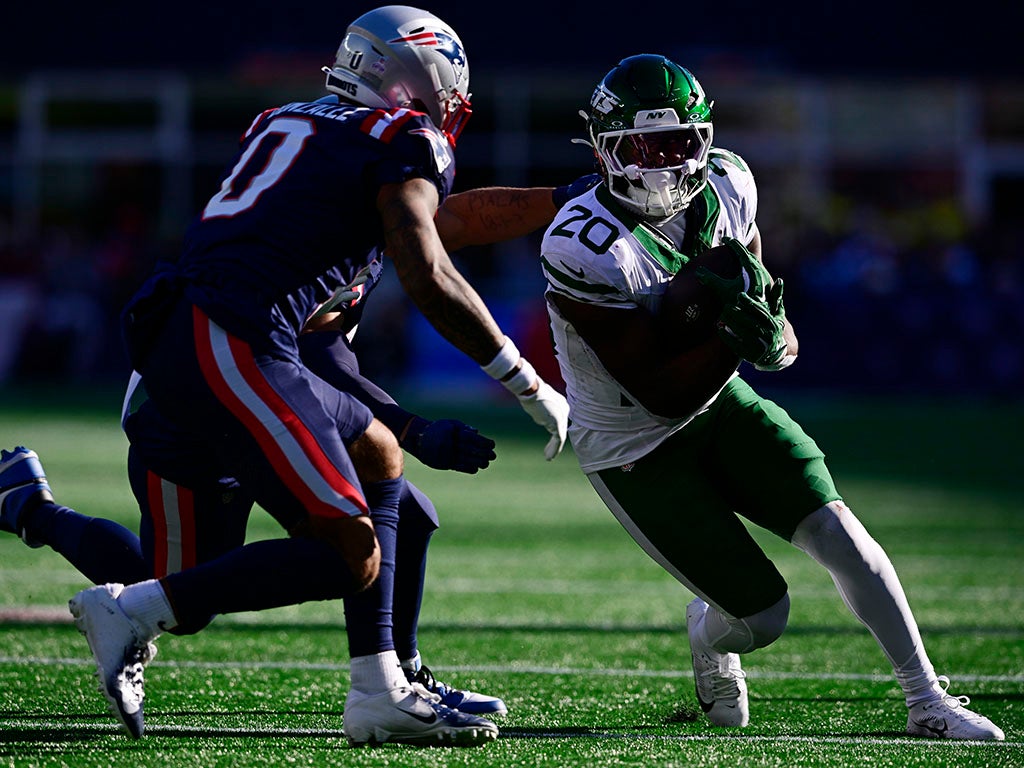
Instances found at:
x=146 y=602
x=869 y=586
x=413 y=665
x=377 y=673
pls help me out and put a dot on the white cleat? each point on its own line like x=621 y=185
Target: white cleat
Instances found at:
x=120 y=647
x=718 y=677
x=411 y=715
x=947 y=717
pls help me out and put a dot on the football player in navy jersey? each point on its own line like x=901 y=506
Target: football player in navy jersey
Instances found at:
x=191 y=511
x=316 y=192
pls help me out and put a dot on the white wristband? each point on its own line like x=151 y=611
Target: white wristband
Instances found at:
x=503 y=362
x=521 y=380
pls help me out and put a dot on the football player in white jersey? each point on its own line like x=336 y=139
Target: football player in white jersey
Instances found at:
x=678 y=446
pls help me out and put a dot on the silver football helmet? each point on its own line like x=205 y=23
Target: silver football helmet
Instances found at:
x=397 y=56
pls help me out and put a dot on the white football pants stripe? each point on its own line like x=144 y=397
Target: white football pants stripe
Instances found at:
x=276 y=431
x=171 y=510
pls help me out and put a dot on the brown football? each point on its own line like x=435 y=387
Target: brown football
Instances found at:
x=689 y=310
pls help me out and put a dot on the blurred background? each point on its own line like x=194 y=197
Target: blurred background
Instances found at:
x=887 y=142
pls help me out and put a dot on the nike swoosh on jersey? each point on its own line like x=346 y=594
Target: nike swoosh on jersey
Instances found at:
x=575 y=271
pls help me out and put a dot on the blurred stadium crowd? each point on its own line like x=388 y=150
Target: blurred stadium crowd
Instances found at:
x=880 y=306
x=901 y=249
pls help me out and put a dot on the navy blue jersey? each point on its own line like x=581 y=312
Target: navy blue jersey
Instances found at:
x=295 y=218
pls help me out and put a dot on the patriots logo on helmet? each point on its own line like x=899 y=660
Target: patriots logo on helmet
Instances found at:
x=444 y=43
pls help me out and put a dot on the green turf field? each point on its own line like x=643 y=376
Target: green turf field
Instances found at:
x=536 y=594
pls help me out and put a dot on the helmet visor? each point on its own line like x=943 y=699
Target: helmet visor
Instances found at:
x=666 y=148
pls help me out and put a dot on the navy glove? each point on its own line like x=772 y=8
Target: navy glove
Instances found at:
x=448 y=444
x=561 y=195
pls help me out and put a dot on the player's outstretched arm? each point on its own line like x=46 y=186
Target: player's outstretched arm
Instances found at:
x=495 y=214
x=492 y=215
x=455 y=309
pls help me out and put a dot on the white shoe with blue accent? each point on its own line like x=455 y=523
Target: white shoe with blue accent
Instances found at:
x=470 y=702
x=22 y=484
x=411 y=715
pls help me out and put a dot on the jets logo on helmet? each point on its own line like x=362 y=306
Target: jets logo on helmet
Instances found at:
x=603 y=101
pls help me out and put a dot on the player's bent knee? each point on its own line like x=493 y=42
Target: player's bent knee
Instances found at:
x=768 y=625
x=355 y=539
x=376 y=454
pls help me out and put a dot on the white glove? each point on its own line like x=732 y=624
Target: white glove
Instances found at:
x=548 y=408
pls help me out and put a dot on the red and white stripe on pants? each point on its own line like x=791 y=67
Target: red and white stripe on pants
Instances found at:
x=292 y=449
x=172 y=510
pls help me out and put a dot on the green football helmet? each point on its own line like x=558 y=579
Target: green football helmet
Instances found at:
x=650 y=125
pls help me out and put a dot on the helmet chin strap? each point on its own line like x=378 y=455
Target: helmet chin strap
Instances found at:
x=660 y=183
x=655 y=182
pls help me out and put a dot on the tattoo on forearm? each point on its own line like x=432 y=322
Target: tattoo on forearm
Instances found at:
x=496 y=209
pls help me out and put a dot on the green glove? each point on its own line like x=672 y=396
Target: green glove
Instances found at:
x=773 y=297
x=755 y=330
x=725 y=288
x=777 y=358
x=728 y=289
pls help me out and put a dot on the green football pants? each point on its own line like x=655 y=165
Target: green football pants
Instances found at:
x=683 y=502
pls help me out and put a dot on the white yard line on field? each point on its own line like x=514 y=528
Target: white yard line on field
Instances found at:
x=504 y=669
x=44 y=727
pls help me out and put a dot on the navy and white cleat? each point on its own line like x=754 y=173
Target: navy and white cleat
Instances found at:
x=121 y=649
x=411 y=715
x=22 y=486
x=470 y=702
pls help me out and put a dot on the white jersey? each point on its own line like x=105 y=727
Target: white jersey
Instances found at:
x=595 y=252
